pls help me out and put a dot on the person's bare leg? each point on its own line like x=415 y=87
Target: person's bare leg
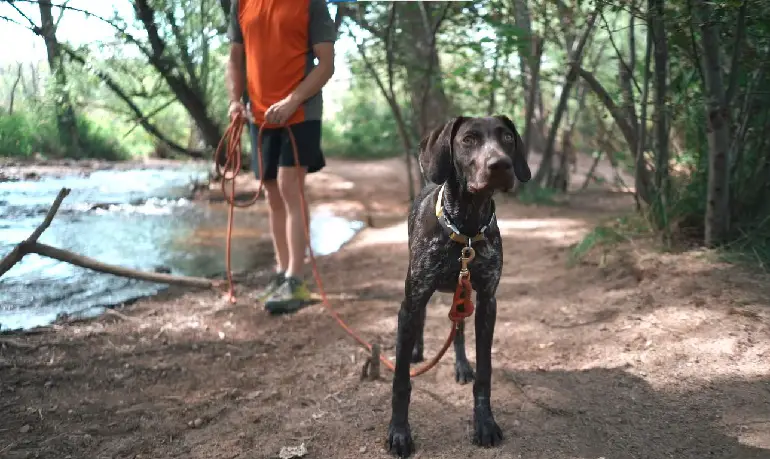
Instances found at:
x=278 y=220
x=295 y=225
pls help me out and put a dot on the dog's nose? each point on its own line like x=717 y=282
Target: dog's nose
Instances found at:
x=500 y=163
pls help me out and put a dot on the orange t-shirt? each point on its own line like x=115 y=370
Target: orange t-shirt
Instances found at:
x=278 y=38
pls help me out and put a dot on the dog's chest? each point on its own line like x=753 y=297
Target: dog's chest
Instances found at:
x=484 y=268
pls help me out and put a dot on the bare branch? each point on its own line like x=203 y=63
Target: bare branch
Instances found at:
x=122 y=31
x=604 y=96
x=141 y=118
x=20 y=250
x=61 y=14
x=575 y=56
x=626 y=67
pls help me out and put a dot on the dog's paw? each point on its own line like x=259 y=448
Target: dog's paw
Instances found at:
x=400 y=441
x=464 y=372
x=486 y=432
x=417 y=355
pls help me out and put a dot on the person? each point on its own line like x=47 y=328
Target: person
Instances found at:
x=273 y=48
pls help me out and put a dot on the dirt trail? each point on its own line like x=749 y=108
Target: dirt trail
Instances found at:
x=644 y=355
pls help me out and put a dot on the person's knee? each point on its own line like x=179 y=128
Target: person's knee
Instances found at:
x=273 y=194
x=291 y=184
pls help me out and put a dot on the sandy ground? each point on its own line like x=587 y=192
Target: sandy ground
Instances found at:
x=638 y=354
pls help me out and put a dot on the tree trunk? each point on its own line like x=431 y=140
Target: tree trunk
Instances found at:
x=717 y=221
x=661 y=110
x=492 y=105
x=626 y=76
x=34 y=88
x=430 y=104
x=529 y=66
x=12 y=97
x=66 y=120
x=535 y=58
x=642 y=190
x=190 y=99
x=225 y=4
x=575 y=56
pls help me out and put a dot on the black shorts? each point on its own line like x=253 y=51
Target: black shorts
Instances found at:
x=277 y=150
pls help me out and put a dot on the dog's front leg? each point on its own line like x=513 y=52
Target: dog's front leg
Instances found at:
x=418 y=354
x=486 y=431
x=410 y=320
x=463 y=368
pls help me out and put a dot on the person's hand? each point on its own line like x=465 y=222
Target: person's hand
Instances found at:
x=236 y=108
x=281 y=111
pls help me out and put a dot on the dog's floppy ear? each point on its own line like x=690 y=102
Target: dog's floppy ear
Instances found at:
x=436 y=153
x=520 y=166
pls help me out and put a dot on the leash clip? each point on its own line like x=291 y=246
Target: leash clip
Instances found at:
x=467 y=255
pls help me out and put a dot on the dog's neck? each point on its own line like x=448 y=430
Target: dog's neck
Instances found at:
x=469 y=212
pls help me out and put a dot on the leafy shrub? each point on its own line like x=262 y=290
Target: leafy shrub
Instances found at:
x=25 y=134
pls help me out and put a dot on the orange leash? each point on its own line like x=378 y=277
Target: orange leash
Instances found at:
x=462 y=303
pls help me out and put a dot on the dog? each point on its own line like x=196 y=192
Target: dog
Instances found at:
x=465 y=162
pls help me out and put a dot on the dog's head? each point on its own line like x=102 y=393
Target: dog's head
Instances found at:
x=483 y=153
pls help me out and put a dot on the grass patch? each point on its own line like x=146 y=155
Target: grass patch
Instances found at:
x=751 y=248
x=607 y=236
x=540 y=196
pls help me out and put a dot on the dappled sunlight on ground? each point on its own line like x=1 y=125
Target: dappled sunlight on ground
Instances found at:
x=633 y=353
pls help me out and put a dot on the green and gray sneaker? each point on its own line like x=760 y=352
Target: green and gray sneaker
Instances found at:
x=273 y=283
x=292 y=295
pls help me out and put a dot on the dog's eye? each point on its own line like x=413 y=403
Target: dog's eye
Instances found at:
x=468 y=140
x=507 y=137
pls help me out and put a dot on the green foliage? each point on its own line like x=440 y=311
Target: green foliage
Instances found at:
x=540 y=196
x=25 y=134
x=364 y=128
x=16 y=136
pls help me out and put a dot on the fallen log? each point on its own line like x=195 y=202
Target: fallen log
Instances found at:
x=31 y=245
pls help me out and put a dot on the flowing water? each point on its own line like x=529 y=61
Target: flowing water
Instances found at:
x=134 y=218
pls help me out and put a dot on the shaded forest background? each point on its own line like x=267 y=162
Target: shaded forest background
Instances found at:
x=673 y=93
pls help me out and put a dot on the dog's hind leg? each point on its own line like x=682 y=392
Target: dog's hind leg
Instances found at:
x=418 y=352
x=486 y=431
x=463 y=369
x=411 y=318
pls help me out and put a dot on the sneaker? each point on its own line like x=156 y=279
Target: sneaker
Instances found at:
x=275 y=281
x=292 y=295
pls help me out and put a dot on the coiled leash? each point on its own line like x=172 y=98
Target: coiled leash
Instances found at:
x=462 y=304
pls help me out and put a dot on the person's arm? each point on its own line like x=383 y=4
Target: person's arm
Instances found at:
x=319 y=76
x=323 y=34
x=235 y=74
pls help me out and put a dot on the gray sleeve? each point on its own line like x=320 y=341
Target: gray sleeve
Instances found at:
x=234 y=32
x=321 y=24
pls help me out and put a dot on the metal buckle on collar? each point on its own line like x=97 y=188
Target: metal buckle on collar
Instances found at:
x=454 y=233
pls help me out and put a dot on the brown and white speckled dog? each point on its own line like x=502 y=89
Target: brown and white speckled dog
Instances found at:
x=466 y=161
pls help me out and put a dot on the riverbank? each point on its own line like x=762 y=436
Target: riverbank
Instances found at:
x=633 y=354
x=14 y=170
